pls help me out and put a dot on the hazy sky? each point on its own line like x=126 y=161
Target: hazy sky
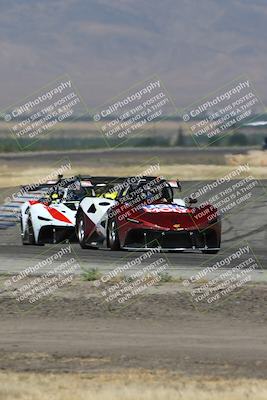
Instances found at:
x=106 y=46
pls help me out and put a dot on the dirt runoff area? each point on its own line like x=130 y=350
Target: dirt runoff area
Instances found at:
x=159 y=346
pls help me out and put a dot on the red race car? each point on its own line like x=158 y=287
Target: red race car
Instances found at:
x=145 y=213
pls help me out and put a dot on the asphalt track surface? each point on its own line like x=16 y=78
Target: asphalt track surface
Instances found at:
x=73 y=331
x=247 y=224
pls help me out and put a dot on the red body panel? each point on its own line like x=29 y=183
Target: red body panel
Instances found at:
x=57 y=215
x=164 y=217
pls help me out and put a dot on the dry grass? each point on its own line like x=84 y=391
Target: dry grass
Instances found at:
x=89 y=129
x=23 y=176
x=255 y=158
x=133 y=385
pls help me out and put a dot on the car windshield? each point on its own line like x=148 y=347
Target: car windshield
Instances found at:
x=78 y=194
x=154 y=190
x=107 y=191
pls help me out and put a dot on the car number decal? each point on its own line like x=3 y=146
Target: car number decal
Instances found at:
x=156 y=208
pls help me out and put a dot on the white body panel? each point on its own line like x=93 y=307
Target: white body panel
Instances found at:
x=96 y=210
x=56 y=215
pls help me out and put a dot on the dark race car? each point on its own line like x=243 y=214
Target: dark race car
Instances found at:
x=143 y=214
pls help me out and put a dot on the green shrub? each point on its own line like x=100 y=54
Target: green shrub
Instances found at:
x=92 y=274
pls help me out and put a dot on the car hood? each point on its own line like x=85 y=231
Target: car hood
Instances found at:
x=172 y=216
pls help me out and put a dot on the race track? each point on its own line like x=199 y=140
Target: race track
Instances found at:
x=73 y=330
x=248 y=224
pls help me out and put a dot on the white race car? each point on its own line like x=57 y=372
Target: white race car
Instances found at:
x=52 y=218
x=92 y=214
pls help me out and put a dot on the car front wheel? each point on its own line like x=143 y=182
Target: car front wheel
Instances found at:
x=81 y=231
x=113 y=235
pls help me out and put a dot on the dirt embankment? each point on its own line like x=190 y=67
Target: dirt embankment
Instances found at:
x=74 y=331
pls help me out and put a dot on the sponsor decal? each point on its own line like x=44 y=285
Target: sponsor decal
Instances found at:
x=158 y=208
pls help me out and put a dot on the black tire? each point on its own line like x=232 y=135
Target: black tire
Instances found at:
x=28 y=236
x=210 y=251
x=80 y=231
x=113 y=240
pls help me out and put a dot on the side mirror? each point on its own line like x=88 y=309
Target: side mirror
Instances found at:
x=179 y=185
x=192 y=201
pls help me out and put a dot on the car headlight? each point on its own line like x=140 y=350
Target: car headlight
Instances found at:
x=135 y=221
